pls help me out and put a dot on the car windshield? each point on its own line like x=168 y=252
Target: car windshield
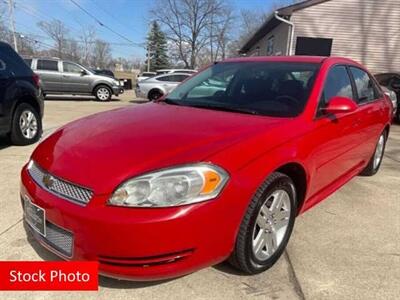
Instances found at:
x=279 y=89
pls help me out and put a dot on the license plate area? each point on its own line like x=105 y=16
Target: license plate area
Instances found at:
x=35 y=216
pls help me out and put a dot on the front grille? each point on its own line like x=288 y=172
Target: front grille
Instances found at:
x=59 y=239
x=59 y=187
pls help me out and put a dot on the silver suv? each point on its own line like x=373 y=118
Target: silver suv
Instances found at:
x=65 y=77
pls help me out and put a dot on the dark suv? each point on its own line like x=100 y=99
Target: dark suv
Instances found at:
x=21 y=104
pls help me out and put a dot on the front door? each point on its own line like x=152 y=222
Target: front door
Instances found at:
x=75 y=79
x=335 y=137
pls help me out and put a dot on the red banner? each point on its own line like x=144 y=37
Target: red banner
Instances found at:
x=48 y=276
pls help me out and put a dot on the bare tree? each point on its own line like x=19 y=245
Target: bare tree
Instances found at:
x=58 y=32
x=88 y=38
x=101 y=54
x=187 y=24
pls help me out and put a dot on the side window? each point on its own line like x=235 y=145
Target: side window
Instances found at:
x=71 y=68
x=47 y=65
x=366 y=89
x=165 y=78
x=179 y=78
x=337 y=84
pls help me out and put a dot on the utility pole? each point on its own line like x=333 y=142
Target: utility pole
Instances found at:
x=12 y=22
x=148 y=58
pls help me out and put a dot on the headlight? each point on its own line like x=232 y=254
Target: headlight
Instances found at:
x=171 y=187
x=116 y=82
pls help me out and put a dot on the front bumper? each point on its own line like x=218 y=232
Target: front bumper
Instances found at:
x=117 y=90
x=140 y=243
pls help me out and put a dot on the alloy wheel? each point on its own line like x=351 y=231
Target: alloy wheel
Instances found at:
x=103 y=94
x=28 y=124
x=271 y=224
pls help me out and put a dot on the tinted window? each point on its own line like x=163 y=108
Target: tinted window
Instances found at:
x=11 y=62
x=165 y=78
x=267 y=88
x=337 y=84
x=48 y=65
x=71 y=68
x=366 y=89
x=179 y=78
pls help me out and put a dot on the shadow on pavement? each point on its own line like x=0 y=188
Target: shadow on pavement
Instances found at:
x=4 y=142
x=139 y=101
x=75 y=98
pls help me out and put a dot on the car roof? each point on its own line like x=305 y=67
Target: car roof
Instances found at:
x=4 y=44
x=171 y=74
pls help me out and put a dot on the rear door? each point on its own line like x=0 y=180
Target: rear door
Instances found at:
x=371 y=113
x=49 y=71
x=75 y=78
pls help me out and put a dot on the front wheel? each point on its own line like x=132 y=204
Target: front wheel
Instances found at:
x=103 y=93
x=266 y=226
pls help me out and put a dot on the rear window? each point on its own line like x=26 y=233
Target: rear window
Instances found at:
x=11 y=62
x=47 y=65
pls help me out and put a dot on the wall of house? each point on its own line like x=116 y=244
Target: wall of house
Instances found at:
x=367 y=31
x=280 y=34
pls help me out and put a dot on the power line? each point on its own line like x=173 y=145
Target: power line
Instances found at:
x=111 y=15
x=104 y=25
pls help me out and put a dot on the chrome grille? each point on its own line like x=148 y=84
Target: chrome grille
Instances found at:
x=59 y=187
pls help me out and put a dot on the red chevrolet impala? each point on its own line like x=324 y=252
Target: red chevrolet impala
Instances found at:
x=218 y=169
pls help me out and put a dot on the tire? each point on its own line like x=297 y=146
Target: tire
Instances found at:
x=245 y=256
x=103 y=93
x=26 y=127
x=154 y=95
x=376 y=159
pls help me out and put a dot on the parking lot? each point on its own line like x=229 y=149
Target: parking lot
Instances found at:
x=348 y=247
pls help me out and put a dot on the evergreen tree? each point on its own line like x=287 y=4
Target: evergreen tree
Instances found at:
x=157 y=46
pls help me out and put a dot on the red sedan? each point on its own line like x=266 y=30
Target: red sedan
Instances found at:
x=218 y=169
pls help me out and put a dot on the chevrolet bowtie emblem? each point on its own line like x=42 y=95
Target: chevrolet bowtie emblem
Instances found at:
x=48 y=181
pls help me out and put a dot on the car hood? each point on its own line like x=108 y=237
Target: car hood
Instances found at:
x=102 y=150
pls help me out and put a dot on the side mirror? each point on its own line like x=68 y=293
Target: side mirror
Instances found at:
x=83 y=73
x=338 y=105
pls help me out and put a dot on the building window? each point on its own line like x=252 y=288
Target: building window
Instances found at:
x=270 y=45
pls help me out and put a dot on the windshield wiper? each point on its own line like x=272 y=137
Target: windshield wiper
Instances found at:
x=226 y=108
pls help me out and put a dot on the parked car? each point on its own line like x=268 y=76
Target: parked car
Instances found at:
x=168 y=71
x=154 y=87
x=21 y=104
x=392 y=82
x=145 y=75
x=188 y=181
x=392 y=96
x=65 y=77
